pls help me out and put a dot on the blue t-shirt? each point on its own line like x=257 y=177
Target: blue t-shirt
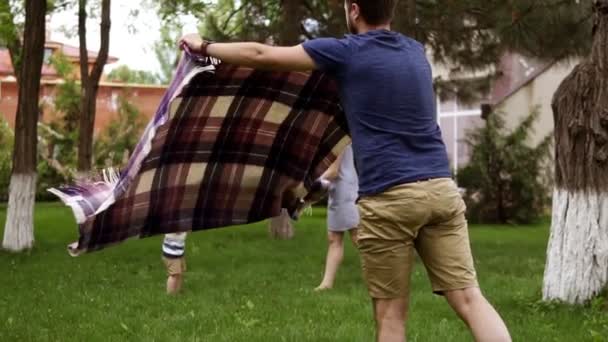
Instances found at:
x=386 y=89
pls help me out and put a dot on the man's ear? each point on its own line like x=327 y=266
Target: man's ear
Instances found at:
x=356 y=10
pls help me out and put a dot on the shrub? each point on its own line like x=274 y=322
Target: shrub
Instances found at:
x=117 y=141
x=506 y=180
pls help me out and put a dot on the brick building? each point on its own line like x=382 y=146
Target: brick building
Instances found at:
x=145 y=97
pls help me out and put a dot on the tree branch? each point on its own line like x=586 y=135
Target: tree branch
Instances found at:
x=82 y=34
x=232 y=14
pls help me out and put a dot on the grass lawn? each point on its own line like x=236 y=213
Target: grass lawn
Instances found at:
x=243 y=286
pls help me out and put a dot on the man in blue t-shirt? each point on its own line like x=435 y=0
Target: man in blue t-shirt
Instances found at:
x=408 y=200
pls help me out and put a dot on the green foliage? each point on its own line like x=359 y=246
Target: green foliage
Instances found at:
x=469 y=34
x=506 y=179
x=472 y=34
x=12 y=21
x=48 y=177
x=124 y=74
x=224 y=22
x=119 y=138
x=6 y=154
x=67 y=99
x=11 y=28
x=255 y=20
x=165 y=51
x=596 y=320
x=169 y=9
x=58 y=140
x=465 y=36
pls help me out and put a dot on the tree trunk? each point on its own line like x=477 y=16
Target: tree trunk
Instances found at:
x=290 y=28
x=577 y=257
x=86 y=130
x=336 y=26
x=19 y=229
x=405 y=18
x=90 y=81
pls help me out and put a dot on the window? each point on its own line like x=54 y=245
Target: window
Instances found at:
x=48 y=53
x=114 y=102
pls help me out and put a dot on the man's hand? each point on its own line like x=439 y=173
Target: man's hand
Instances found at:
x=193 y=41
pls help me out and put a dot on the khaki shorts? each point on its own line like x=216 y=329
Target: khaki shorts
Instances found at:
x=175 y=266
x=428 y=217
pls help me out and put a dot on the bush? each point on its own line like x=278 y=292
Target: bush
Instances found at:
x=117 y=141
x=506 y=180
x=58 y=143
x=47 y=176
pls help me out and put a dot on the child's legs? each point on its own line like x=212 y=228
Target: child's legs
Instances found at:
x=335 y=254
x=174 y=283
x=175 y=269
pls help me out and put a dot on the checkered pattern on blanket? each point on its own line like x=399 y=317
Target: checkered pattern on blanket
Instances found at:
x=233 y=146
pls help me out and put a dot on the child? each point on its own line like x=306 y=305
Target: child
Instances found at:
x=173 y=257
x=342 y=213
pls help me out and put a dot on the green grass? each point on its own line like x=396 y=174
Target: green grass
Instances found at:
x=243 y=286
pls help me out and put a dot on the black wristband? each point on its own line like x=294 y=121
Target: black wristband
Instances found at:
x=204 y=45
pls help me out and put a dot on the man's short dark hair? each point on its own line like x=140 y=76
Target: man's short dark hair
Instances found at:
x=376 y=12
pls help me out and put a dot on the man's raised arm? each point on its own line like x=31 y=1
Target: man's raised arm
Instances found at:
x=253 y=55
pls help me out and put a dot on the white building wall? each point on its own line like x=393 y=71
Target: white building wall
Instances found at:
x=538 y=93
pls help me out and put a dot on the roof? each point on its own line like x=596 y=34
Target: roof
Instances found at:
x=516 y=71
x=71 y=52
x=11 y=79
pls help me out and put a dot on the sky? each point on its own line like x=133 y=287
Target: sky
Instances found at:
x=131 y=38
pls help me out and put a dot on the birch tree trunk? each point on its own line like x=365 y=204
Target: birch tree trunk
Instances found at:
x=577 y=257
x=19 y=228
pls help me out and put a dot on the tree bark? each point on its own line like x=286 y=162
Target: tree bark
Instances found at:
x=405 y=18
x=90 y=81
x=290 y=27
x=19 y=229
x=336 y=26
x=577 y=257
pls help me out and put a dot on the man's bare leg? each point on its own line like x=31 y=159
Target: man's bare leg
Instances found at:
x=391 y=316
x=479 y=315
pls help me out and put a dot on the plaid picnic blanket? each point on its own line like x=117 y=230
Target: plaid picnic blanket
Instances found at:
x=227 y=146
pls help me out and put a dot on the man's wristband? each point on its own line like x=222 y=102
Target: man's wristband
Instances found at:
x=204 y=45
